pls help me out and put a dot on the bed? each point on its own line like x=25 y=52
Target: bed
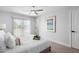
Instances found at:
x=28 y=44
x=33 y=46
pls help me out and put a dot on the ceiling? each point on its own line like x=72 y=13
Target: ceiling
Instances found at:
x=26 y=9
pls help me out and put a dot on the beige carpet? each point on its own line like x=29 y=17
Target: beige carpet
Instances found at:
x=57 y=48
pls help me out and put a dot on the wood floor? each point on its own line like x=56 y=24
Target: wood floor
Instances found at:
x=57 y=48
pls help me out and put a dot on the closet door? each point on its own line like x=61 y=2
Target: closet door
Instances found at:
x=75 y=29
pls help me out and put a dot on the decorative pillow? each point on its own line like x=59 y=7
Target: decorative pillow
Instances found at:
x=10 y=40
x=2 y=45
x=2 y=41
x=18 y=42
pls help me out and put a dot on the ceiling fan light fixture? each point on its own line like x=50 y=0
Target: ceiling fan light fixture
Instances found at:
x=35 y=12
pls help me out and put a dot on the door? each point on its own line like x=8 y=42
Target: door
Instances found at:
x=75 y=29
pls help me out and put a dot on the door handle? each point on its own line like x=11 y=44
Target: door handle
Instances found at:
x=72 y=31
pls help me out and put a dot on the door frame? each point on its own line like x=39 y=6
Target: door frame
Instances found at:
x=70 y=28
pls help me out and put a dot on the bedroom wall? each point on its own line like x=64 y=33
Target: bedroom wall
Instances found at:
x=6 y=18
x=63 y=27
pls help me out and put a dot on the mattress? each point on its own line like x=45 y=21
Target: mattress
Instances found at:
x=33 y=46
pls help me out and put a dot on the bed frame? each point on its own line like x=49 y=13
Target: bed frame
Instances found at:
x=47 y=50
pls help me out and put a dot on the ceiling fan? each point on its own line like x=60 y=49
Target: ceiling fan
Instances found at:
x=36 y=11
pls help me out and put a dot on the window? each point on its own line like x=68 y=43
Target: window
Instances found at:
x=21 y=27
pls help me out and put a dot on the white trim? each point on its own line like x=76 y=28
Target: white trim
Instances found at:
x=70 y=27
x=67 y=45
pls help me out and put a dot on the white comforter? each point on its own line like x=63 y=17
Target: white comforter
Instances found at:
x=33 y=46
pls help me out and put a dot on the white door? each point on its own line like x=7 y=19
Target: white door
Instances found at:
x=75 y=29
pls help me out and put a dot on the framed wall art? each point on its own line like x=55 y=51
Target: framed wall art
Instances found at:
x=51 y=24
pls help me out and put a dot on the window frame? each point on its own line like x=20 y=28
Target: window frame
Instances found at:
x=13 y=18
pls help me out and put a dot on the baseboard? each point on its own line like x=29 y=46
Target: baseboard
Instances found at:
x=67 y=45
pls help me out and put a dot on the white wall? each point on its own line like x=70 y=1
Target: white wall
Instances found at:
x=62 y=35
x=6 y=18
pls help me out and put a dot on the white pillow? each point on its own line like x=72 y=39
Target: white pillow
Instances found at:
x=10 y=40
x=2 y=46
x=2 y=41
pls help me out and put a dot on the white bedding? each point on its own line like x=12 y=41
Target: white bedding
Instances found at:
x=33 y=46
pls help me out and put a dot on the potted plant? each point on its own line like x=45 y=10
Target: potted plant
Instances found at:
x=36 y=37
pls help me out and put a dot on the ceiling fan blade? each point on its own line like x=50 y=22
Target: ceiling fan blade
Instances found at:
x=39 y=10
x=35 y=12
x=32 y=10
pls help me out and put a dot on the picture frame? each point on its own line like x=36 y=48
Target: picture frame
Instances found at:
x=51 y=24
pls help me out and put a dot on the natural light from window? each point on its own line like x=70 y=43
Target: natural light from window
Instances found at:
x=21 y=27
